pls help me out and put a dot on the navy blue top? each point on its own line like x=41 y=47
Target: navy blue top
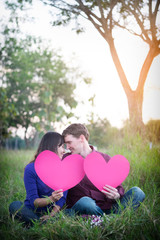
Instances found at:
x=35 y=188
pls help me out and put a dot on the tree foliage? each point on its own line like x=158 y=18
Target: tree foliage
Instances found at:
x=102 y=134
x=7 y=112
x=36 y=85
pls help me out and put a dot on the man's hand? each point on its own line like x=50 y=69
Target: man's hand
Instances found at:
x=111 y=192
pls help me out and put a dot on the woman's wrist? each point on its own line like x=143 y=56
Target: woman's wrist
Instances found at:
x=51 y=200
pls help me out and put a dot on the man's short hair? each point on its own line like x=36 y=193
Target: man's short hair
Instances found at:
x=76 y=129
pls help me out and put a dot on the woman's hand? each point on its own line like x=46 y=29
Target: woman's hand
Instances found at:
x=44 y=218
x=55 y=210
x=56 y=195
x=111 y=192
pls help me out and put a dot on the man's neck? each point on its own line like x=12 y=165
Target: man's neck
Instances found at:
x=86 y=151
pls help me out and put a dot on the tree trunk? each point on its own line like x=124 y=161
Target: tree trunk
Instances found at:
x=26 y=139
x=134 y=98
x=135 y=102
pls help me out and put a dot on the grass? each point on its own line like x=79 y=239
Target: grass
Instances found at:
x=144 y=224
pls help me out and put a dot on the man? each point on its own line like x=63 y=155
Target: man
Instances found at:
x=85 y=198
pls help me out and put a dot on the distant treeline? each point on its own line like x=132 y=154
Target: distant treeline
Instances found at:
x=102 y=134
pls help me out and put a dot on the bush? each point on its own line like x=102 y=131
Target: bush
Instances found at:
x=101 y=133
x=153 y=130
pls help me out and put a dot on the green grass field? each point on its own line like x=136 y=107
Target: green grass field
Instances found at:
x=144 y=224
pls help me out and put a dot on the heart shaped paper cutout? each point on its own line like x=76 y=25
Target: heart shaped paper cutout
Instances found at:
x=57 y=173
x=101 y=173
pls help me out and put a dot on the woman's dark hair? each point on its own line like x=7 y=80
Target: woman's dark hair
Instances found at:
x=50 y=141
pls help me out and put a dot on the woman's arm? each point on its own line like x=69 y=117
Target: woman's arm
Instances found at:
x=56 y=208
x=43 y=202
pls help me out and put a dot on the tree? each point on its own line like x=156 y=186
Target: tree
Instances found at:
x=7 y=112
x=136 y=16
x=36 y=85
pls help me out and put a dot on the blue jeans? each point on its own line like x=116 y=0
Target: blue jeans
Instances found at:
x=18 y=210
x=87 y=205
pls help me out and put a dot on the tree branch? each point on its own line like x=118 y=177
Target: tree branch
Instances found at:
x=139 y=12
x=101 y=12
x=85 y=9
x=100 y=8
x=140 y=24
x=130 y=31
x=72 y=7
x=156 y=8
x=152 y=21
x=112 y=5
x=119 y=69
x=153 y=52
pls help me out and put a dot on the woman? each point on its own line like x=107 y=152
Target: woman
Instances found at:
x=39 y=197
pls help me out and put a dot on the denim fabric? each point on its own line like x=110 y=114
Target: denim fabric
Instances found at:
x=87 y=205
x=18 y=210
x=133 y=198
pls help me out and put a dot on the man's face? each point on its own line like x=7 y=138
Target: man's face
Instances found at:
x=74 y=144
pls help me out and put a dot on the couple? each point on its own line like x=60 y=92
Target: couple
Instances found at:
x=84 y=198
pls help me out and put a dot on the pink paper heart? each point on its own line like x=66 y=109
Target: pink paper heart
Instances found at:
x=57 y=173
x=101 y=173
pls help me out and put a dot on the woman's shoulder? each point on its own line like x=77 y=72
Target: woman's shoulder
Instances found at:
x=30 y=167
x=29 y=171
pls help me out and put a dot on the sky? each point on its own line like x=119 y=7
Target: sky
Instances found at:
x=92 y=55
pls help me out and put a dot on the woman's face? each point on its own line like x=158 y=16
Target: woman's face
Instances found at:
x=61 y=151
